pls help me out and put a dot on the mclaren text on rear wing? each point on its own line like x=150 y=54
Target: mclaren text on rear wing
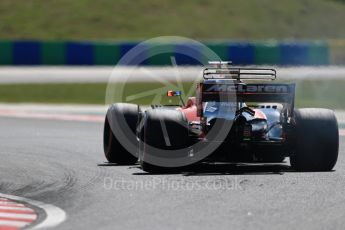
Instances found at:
x=240 y=92
x=247 y=92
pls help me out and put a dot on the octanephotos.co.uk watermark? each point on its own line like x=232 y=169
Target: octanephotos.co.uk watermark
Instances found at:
x=182 y=184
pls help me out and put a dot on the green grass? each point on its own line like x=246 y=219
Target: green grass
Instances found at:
x=53 y=93
x=320 y=93
x=316 y=93
x=199 y=19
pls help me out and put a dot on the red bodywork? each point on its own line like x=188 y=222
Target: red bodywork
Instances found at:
x=190 y=110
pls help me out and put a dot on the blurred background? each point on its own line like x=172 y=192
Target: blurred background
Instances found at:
x=63 y=51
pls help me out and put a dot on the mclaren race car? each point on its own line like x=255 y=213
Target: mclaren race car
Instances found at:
x=236 y=116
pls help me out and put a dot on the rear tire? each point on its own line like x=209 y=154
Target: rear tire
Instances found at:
x=154 y=169
x=317 y=140
x=121 y=117
x=272 y=157
x=171 y=137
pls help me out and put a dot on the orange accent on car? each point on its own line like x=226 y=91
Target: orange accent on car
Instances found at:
x=170 y=93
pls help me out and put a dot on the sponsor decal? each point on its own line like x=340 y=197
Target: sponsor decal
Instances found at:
x=257 y=88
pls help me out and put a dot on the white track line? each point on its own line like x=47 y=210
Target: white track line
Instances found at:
x=47 y=116
x=73 y=74
x=54 y=215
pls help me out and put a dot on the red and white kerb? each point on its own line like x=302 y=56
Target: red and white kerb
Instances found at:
x=14 y=215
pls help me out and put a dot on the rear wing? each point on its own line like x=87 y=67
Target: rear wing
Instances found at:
x=229 y=91
x=224 y=70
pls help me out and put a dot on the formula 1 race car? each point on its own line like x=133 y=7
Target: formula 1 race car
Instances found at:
x=233 y=118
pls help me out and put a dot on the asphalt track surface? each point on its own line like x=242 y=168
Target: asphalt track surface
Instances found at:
x=62 y=163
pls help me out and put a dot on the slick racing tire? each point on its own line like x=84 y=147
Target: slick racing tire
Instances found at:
x=317 y=140
x=154 y=169
x=164 y=129
x=123 y=119
x=273 y=158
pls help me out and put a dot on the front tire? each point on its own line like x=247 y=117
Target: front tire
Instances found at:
x=317 y=140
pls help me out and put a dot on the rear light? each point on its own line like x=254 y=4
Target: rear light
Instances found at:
x=247 y=131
